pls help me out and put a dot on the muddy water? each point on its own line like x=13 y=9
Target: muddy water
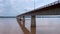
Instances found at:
x=9 y=26
x=44 y=26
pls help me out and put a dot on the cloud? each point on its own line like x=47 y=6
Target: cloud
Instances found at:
x=25 y=0
x=29 y=0
x=42 y=3
x=16 y=7
x=29 y=8
x=1 y=11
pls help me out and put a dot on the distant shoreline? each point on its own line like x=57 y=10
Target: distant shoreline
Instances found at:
x=7 y=17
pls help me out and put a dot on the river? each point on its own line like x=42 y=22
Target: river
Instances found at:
x=44 y=26
x=9 y=26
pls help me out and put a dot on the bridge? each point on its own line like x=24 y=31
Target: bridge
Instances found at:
x=50 y=9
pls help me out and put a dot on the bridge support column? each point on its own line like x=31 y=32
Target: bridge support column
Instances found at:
x=33 y=24
x=23 y=20
x=19 y=20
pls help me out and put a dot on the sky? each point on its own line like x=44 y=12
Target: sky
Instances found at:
x=16 y=7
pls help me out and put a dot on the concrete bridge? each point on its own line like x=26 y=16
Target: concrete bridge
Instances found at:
x=50 y=9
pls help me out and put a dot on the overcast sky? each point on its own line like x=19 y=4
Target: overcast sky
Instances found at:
x=16 y=7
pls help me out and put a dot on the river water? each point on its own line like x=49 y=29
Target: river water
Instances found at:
x=44 y=26
x=9 y=26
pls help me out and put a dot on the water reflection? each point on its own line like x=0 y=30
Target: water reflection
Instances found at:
x=46 y=26
x=25 y=30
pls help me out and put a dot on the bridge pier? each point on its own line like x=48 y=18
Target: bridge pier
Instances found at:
x=33 y=24
x=23 y=20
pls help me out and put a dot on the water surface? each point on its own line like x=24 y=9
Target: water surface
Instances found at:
x=43 y=26
x=9 y=26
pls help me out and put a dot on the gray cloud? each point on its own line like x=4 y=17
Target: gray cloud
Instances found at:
x=15 y=7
